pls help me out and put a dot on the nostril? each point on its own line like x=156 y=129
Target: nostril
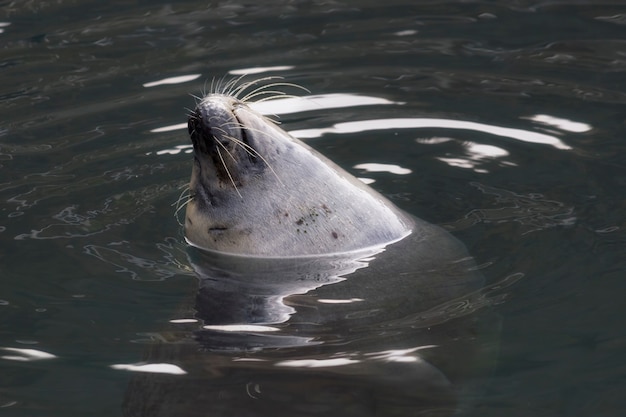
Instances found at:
x=191 y=125
x=194 y=123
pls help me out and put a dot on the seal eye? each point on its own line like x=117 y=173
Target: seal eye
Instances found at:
x=250 y=151
x=246 y=141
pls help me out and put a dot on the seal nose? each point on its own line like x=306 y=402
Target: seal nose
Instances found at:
x=198 y=133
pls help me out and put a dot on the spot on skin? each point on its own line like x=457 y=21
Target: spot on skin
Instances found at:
x=335 y=235
x=300 y=221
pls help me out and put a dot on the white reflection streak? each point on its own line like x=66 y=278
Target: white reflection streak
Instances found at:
x=260 y=70
x=176 y=150
x=563 y=124
x=157 y=368
x=317 y=363
x=407 y=32
x=169 y=128
x=173 y=80
x=476 y=154
x=339 y=301
x=386 y=124
x=480 y=151
x=318 y=102
x=27 y=355
x=246 y=328
x=391 y=168
x=400 y=355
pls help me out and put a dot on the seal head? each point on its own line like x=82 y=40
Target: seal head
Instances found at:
x=255 y=190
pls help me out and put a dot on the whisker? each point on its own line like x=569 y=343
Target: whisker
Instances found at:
x=225 y=167
x=196 y=98
x=232 y=85
x=227 y=136
x=241 y=88
x=276 y=97
x=218 y=85
x=235 y=87
x=275 y=93
x=256 y=91
x=211 y=90
x=184 y=195
x=221 y=85
x=204 y=88
x=249 y=149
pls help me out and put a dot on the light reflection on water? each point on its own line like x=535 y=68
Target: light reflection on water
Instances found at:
x=25 y=355
x=420 y=123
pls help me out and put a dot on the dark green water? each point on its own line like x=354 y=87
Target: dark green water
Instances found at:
x=508 y=115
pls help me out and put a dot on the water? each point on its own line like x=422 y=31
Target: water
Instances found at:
x=509 y=117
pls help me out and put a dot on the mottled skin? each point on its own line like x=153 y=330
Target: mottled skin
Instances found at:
x=266 y=193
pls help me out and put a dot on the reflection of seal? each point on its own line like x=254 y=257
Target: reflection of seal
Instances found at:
x=256 y=190
x=393 y=332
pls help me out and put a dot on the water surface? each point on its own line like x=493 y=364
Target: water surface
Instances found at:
x=500 y=121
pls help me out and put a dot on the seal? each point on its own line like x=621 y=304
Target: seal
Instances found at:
x=316 y=295
x=256 y=190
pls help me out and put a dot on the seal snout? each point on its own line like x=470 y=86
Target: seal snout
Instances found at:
x=213 y=124
x=221 y=143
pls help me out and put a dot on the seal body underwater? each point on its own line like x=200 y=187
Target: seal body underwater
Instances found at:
x=316 y=295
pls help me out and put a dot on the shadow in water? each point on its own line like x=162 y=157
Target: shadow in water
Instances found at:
x=401 y=330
